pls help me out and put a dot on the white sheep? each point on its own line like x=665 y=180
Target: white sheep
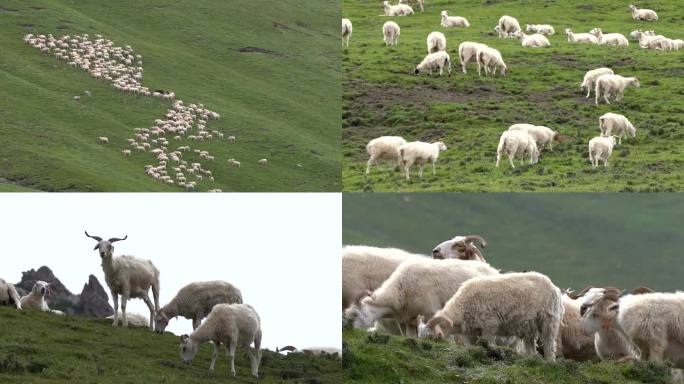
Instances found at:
x=532 y=41
x=543 y=136
x=600 y=148
x=609 y=38
x=129 y=277
x=652 y=41
x=315 y=351
x=523 y=305
x=418 y=152
x=616 y=124
x=134 y=319
x=416 y=287
x=433 y=61
x=9 y=295
x=102 y=140
x=613 y=85
x=195 y=300
x=490 y=59
x=235 y=325
x=514 y=143
x=231 y=139
x=436 y=41
x=643 y=14
x=36 y=298
x=453 y=21
x=346 y=35
x=589 y=81
x=126 y=152
x=571 y=341
x=460 y=247
x=421 y=3
x=581 y=37
x=396 y=10
x=390 y=33
x=544 y=29
x=467 y=51
x=507 y=26
x=263 y=162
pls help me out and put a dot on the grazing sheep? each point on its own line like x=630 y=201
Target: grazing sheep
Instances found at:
x=651 y=323
x=419 y=2
x=514 y=143
x=9 y=295
x=616 y=124
x=77 y=98
x=36 y=298
x=436 y=41
x=126 y=152
x=416 y=287
x=453 y=21
x=467 y=51
x=613 y=85
x=532 y=41
x=231 y=324
x=490 y=59
x=390 y=33
x=195 y=300
x=384 y=147
x=346 y=35
x=263 y=162
x=460 y=247
x=589 y=81
x=543 y=136
x=396 y=10
x=418 y=152
x=523 y=305
x=129 y=277
x=609 y=38
x=507 y=26
x=587 y=38
x=102 y=140
x=544 y=29
x=231 y=139
x=234 y=163
x=600 y=149
x=134 y=319
x=643 y=14
x=438 y=60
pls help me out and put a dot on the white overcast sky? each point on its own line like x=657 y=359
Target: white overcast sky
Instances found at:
x=280 y=249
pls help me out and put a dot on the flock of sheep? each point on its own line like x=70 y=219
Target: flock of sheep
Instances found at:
x=520 y=140
x=122 y=67
x=456 y=295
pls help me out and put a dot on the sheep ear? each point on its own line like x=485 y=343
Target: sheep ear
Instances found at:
x=96 y=246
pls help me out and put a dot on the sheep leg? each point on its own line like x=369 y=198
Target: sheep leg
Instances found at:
x=155 y=294
x=498 y=158
x=433 y=169
x=510 y=159
x=124 y=299
x=257 y=349
x=368 y=165
x=605 y=97
x=231 y=355
x=406 y=170
x=214 y=355
x=115 y=298
x=196 y=322
x=588 y=91
x=420 y=171
x=147 y=301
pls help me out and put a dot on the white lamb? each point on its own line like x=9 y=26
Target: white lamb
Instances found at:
x=643 y=14
x=514 y=143
x=544 y=29
x=589 y=81
x=600 y=148
x=390 y=33
x=419 y=2
x=507 y=26
x=613 y=85
x=195 y=300
x=436 y=41
x=453 y=21
x=9 y=294
x=433 y=61
x=543 y=136
x=396 y=10
x=418 y=152
x=609 y=38
x=384 y=148
x=235 y=325
x=129 y=277
x=36 y=298
x=346 y=35
x=616 y=124
x=490 y=59
x=467 y=51
x=532 y=41
x=581 y=37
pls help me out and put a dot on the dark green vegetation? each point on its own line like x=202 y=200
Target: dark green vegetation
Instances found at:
x=37 y=347
x=380 y=359
x=281 y=103
x=576 y=239
x=382 y=97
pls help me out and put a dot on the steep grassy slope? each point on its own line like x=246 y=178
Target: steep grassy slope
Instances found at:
x=382 y=97
x=577 y=239
x=381 y=359
x=42 y=348
x=282 y=105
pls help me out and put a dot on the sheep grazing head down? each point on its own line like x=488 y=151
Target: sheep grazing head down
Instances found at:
x=188 y=349
x=363 y=314
x=160 y=321
x=460 y=247
x=105 y=246
x=600 y=310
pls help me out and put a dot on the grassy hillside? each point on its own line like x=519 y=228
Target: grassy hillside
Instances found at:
x=383 y=97
x=381 y=359
x=577 y=239
x=42 y=348
x=282 y=105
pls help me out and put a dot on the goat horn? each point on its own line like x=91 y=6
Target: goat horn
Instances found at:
x=478 y=238
x=98 y=238
x=579 y=294
x=113 y=239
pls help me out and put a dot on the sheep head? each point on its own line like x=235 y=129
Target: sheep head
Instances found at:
x=600 y=310
x=460 y=247
x=160 y=321
x=439 y=326
x=41 y=288
x=188 y=349
x=105 y=246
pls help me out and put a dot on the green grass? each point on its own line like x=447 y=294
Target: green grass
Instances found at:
x=382 y=97
x=283 y=107
x=37 y=347
x=374 y=358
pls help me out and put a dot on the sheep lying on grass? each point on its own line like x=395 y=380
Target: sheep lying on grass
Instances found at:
x=543 y=29
x=609 y=38
x=643 y=14
x=453 y=21
x=587 y=38
x=532 y=41
x=396 y=10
